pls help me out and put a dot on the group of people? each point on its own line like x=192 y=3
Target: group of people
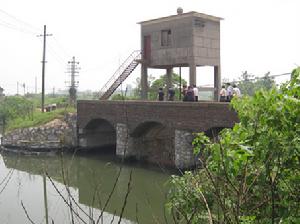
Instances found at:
x=228 y=92
x=171 y=94
x=190 y=93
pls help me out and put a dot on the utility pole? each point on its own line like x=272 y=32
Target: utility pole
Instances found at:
x=180 y=83
x=24 y=87
x=17 y=88
x=35 y=88
x=43 y=66
x=73 y=69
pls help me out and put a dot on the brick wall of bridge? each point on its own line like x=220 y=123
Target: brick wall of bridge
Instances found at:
x=178 y=119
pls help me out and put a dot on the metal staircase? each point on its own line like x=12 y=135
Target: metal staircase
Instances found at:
x=120 y=75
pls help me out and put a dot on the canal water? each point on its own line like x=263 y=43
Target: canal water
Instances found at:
x=90 y=180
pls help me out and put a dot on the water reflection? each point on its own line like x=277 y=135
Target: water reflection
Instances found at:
x=91 y=180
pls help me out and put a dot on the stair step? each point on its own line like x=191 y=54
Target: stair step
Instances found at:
x=120 y=79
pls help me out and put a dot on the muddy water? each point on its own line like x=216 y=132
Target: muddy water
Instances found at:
x=90 y=180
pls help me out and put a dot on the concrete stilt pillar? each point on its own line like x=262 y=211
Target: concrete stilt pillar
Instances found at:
x=184 y=155
x=217 y=82
x=192 y=74
x=144 y=82
x=169 y=77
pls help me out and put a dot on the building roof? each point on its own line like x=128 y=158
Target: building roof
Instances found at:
x=180 y=16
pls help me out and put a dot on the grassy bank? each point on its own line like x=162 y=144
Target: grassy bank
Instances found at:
x=37 y=118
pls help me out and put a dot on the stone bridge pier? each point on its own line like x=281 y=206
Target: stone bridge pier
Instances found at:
x=156 y=132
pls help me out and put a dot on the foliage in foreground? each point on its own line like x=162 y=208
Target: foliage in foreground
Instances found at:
x=252 y=174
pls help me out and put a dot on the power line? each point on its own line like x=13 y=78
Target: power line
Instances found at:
x=25 y=30
x=20 y=21
x=263 y=77
x=67 y=53
x=10 y=26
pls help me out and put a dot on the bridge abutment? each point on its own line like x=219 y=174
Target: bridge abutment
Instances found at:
x=125 y=146
x=184 y=155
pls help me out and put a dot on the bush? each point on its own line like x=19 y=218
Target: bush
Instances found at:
x=252 y=174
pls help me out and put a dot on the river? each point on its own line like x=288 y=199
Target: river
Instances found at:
x=90 y=179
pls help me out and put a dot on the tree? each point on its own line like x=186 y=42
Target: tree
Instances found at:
x=249 y=84
x=137 y=90
x=155 y=84
x=252 y=174
x=162 y=82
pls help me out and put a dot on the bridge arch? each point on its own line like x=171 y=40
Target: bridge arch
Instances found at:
x=213 y=132
x=154 y=142
x=99 y=134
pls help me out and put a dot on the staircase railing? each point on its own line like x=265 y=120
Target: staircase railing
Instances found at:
x=134 y=56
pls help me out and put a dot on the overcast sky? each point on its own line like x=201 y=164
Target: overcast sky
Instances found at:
x=256 y=35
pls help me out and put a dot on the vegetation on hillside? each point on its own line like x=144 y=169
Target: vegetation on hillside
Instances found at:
x=21 y=112
x=38 y=118
x=251 y=174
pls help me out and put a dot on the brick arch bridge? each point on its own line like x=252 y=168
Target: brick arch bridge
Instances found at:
x=159 y=132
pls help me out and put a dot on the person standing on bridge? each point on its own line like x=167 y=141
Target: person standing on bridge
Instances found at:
x=190 y=94
x=236 y=91
x=223 y=94
x=229 y=92
x=196 y=92
x=184 y=91
x=171 y=94
x=161 y=94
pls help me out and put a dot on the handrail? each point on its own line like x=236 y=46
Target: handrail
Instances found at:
x=133 y=56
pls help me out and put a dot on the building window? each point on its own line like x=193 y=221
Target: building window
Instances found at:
x=199 y=23
x=166 y=37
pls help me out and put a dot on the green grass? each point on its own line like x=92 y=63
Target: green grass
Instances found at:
x=37 y=119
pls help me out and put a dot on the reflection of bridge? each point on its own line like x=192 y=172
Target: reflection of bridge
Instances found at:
x=94 y=180
x=159 y=132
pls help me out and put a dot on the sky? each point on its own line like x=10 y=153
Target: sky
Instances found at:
x=257 y=36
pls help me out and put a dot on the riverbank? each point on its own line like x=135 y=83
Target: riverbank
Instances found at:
x=46 y=138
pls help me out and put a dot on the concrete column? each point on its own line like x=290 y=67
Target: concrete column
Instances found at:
x=124 y=147
x=144 y=82
x=217 y=82
x=82 y=141
x=193 y=74
x=169 y=77
x=184 y=155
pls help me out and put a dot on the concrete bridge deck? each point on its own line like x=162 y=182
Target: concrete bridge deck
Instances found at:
x=159 y=132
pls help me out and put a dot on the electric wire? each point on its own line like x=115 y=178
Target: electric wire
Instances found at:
x=20 y=21
x=58 y=58
x=66 y=52
x=10 y=26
